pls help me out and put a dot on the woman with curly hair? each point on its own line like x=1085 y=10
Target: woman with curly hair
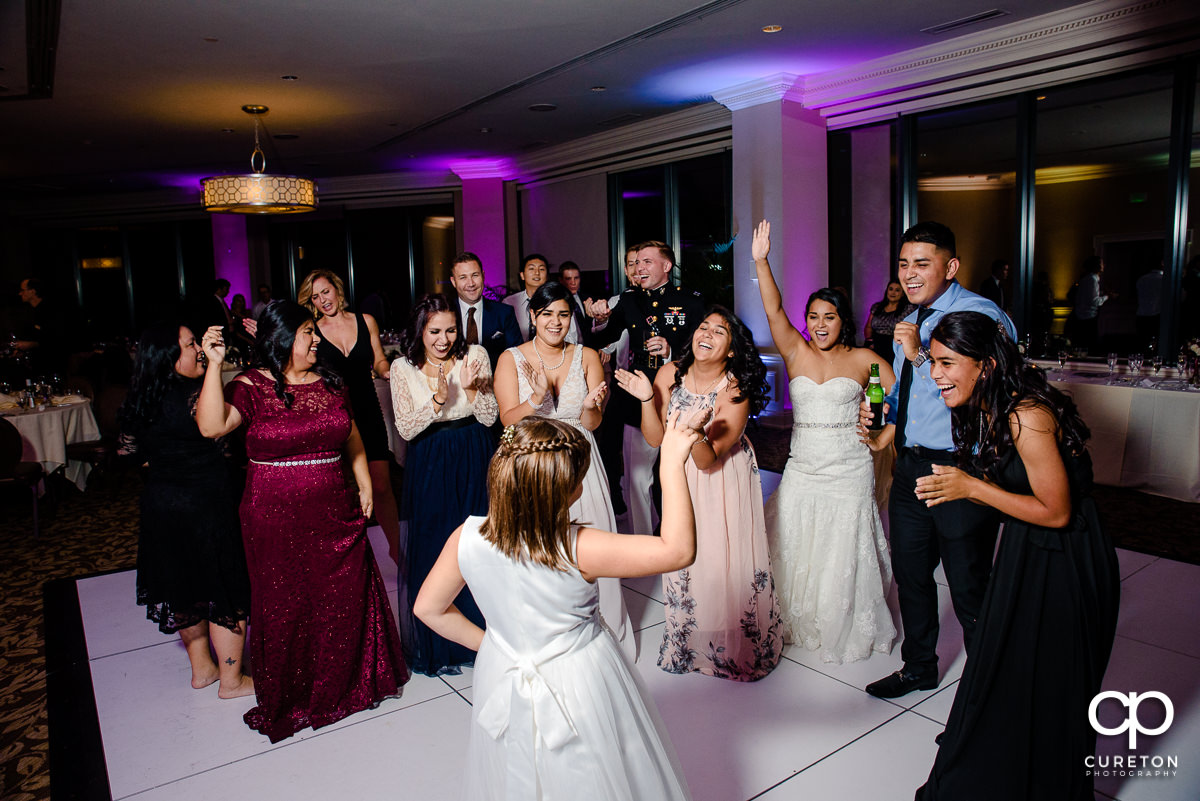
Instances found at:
x=191 y=570
x=322 y=639
x=722 y=615
x=1046 y=628
x=442 y=394
x=832 y=567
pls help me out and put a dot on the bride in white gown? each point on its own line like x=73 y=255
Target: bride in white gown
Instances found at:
x=548 y=377
x=828 y=551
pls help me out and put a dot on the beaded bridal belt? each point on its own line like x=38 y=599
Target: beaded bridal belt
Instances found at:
x=299 y=462
x=824 y=425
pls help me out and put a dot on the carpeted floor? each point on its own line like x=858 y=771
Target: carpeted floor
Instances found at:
x=95 y=531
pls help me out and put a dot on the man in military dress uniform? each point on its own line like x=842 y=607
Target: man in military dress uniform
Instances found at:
x=660 y=318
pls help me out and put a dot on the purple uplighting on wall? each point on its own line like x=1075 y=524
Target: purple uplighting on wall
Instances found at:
x=634 y=194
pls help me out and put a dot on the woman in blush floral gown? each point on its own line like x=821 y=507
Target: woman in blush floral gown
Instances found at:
x=722 y=616
x=323 y=643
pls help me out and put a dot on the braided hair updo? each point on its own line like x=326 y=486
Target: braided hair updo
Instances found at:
x=537 y=468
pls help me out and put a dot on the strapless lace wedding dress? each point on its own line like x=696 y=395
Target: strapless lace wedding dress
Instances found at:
x=828 y=551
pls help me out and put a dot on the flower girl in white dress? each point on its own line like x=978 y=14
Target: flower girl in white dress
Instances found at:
x=558 y=712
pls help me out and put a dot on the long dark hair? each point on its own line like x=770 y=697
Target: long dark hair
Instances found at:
x=982 y=433
x=841 y=305
x=745 y=364
x=153 y=375
x=412 y=345
x=277 y=327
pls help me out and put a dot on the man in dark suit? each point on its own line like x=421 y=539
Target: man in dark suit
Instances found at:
x=481 y=321
x=660 y=317
x=570 y=277
x=992 y=287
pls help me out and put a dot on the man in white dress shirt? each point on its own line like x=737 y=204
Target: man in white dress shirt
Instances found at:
x=534 y=272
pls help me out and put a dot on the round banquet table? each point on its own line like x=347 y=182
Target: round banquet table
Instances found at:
x=45 y=435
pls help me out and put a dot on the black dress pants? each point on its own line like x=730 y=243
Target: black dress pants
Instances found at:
x=960 y=534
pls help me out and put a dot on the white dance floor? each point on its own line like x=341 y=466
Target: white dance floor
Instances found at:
x=807 y=731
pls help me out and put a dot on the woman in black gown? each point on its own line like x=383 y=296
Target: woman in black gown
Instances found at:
x=350 y=347
x=1019 y=725
x=191 y=569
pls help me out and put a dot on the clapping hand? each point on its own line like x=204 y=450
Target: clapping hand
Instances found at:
x=442 y=393
x=598 y=310
x=471 y=374
x=761 y=245
x=699 y=417
x=214 y=345
x=677 y=442
x=594 y=398
x=635 y=383
x=539 y=383
x=946 y=484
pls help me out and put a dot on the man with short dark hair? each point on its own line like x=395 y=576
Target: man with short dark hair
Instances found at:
x=481 y=321
x=960 y=534
x=570 y=276
x=992 y=287
x=45 y=340
x=264 y=297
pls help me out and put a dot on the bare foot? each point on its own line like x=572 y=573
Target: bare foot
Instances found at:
x=202 y=680
x=240 y=690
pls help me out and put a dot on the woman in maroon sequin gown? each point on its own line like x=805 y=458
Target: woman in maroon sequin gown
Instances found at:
x=323 y=643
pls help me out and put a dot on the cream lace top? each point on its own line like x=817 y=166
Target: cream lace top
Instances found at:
x=412 y=395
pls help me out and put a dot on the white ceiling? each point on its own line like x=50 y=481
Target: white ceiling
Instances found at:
x=140 y=94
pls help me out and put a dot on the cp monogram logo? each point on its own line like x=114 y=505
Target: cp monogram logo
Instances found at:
x=1131 y=723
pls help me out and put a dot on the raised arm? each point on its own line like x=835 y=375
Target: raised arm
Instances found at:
x=214 y=417
x=603 y=553
x=593 y=373
x=785 y=335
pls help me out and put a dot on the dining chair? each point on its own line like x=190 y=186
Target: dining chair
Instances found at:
x=16 y=472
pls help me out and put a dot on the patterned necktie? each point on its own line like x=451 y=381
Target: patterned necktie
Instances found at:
x=472 y=327
x=906 y=379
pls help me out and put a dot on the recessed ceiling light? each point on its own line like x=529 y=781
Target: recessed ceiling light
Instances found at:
x=772 y=28
x=1041 y=97
x=226 y=130
x=286 y=136
x=485 y=130
x=211 y=39
x=290 y=77
x=599 y=88
x=543 y=107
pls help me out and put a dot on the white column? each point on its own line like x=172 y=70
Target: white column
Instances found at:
x=483 y=219
x=779 y=174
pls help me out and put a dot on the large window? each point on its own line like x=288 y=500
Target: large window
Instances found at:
x=687 y=205
x=1102 y=184
x=966 y=178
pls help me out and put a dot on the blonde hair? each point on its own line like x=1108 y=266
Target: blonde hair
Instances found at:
x=536 y=469
x=305 y=292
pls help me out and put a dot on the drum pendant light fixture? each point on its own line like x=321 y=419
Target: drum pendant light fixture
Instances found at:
x=258 y=193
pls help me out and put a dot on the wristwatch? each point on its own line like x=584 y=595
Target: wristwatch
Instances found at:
x=921 y=358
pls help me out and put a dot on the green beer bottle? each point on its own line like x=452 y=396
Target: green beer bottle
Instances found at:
x=875 y=398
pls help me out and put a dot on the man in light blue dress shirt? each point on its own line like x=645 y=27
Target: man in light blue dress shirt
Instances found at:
x=960 y=534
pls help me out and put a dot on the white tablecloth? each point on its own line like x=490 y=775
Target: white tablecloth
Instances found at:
x=398 y=445
x=47 y=433
x=1144 y=438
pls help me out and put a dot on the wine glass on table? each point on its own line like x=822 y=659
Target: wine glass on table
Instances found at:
x=1157 y=363
x=1112 y=363
x=1135 y=365
x=1062 y=362
x=1181 y=361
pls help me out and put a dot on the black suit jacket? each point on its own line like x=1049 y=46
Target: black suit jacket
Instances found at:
x=498 y=329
